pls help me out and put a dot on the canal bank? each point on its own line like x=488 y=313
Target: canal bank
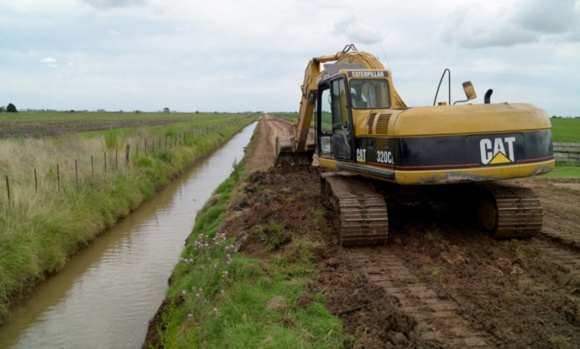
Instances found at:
x=106 y=294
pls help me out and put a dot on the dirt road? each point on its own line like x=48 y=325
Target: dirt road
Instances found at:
x=439 y=283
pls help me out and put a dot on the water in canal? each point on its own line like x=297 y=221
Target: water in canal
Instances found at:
x=106 y=294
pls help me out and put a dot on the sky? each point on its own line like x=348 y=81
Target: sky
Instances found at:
x=250 y=55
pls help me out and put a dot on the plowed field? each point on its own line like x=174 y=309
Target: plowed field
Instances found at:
x=439 y=283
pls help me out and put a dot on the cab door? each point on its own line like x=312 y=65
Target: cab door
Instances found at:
x=334 y=124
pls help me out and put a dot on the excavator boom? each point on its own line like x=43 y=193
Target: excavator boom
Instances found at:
x=296 y=149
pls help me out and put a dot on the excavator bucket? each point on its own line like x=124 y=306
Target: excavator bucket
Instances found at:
x=285 y=153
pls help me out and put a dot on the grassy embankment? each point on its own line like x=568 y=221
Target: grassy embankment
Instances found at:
x=220 y=299
x=43 y=223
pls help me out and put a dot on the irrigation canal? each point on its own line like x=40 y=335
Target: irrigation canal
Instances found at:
x=106 y=294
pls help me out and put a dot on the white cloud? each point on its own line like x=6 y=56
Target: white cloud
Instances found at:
x=103 y=4
x=359 y=30
x=50 y=62
x=486 y=24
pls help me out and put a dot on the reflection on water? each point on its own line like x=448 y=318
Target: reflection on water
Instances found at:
x=106 y=295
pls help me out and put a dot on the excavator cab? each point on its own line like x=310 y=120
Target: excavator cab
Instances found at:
x=345 y=101
x=334 y=120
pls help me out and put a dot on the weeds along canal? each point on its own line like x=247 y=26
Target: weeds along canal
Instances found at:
x=107 y=293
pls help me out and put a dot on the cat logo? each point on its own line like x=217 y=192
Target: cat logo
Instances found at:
x=361 y=155
x=497 y=150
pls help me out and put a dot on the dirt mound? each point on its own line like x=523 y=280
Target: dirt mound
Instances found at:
x=289 y=196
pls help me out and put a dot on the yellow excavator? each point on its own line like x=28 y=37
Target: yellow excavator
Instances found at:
x=385 y=153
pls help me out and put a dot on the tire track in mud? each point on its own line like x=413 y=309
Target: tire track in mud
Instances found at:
x=561 y=231
x=567 y=258
x=438 y=320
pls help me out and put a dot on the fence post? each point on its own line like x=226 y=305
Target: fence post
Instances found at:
x=35 y=182
x=105 y=161
x=116 y=159
x=58 y=177
x=127 y=155
x=8 y=188
x=92 y=167
x=77 y=173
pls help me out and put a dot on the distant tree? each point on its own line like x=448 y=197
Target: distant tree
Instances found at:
x=11 y=108
x=2 y=109
x=197 y=111
x=166 y=110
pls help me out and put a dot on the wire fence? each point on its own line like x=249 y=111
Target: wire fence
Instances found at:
x=73 y=174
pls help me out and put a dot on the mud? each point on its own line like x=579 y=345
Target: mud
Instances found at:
x=440 y=282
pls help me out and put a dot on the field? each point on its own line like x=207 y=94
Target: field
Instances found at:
x=439 y=283
x=51 y=124
x=566 y=130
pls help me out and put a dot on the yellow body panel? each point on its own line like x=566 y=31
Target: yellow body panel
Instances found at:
x=455 y=120
x=327 y=163
x=477 y=174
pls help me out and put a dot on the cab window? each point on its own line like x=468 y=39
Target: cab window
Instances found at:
x=369 y=94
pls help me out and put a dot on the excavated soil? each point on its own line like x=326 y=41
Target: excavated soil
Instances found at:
x=439 y=283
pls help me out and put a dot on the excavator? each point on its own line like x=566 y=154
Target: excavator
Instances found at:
x=380 y=153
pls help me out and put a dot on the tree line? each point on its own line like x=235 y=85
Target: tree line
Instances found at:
x=11 y=108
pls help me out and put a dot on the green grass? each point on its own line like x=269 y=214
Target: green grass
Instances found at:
x=260 y=305
x=563 y=171
x=39 y=230
x=566 y=130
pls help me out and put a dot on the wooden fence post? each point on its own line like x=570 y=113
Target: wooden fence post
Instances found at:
x=58 y=177
x=8 y=188
x=127 y=155
x=35 y=182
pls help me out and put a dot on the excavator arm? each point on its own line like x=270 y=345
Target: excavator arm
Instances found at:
x=295 y=149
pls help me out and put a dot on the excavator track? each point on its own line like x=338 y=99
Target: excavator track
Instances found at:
x=362 y=212
x=510 y=212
